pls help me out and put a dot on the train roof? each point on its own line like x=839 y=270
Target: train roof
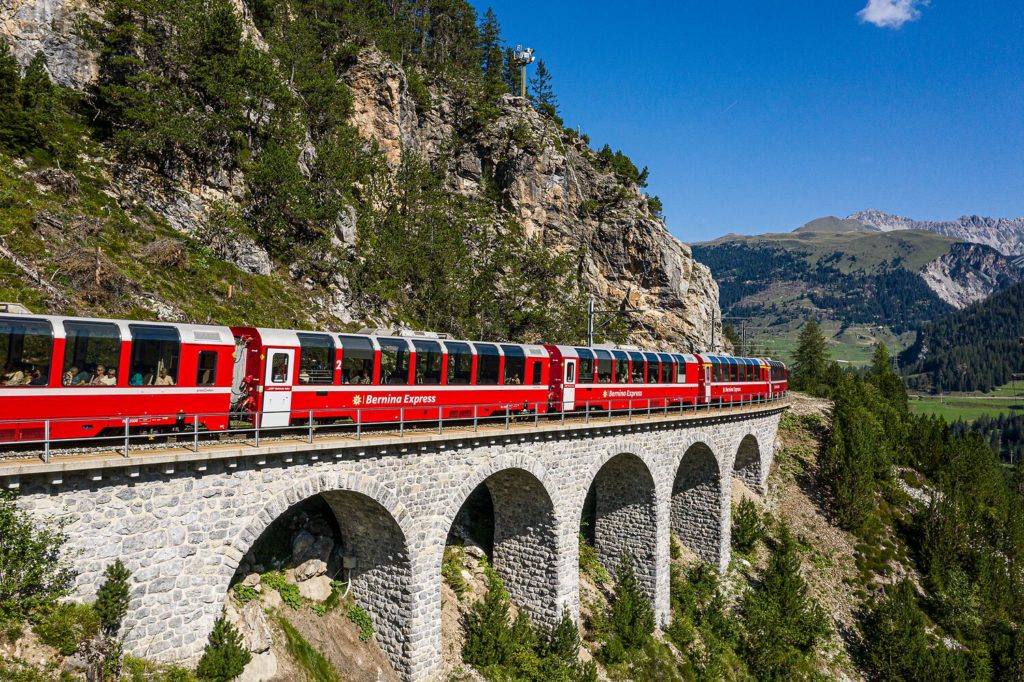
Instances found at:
x=189 y=333
x=730 y=359
x=290 y=338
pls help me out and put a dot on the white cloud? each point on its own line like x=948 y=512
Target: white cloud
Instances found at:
x=891 y=13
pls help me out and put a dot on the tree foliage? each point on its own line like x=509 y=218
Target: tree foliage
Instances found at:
x=34 y=572
x=224 y=657
x=632 y=616
x=811 y=361
x=112 y=597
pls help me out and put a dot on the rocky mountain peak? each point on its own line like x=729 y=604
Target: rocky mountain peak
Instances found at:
x=1003 y=234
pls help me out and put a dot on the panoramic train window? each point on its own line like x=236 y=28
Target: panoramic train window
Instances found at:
x=586 y=368
x=460 y=363
x=206 y=374
x=515 y=365
x=604 y=366
x=668 y=368
x=680 y=369
x=356 y=360
x=652 y=368
x=155 y=355
x=25 y=350
x=394 y=362
x=316 y=359
x=428 y=362
x=488 y=364
x=639 y=367
x=89 y=348
x=621 y=367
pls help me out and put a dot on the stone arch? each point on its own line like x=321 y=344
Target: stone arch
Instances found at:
x=697 y=504
x=626 y=516
x=747 y=465
x=526 y=547
x=374 y=542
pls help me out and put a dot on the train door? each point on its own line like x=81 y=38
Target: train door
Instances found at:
x=707 y=383
x=277 y=388
x=569 y=386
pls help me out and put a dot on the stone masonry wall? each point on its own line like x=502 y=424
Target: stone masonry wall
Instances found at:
x=183 y=528
x=696 y=497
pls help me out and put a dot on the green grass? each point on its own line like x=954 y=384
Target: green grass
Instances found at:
x=311 y=660
x=968 y=408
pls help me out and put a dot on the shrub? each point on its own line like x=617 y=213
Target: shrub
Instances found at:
x=290 y=594
x=244 y=593
x=141 y=670
x=591 y=565
x=361 y=618
x=632 y=616
x=488 y=627
x=224 y=657
x=34 y=574
x=451 y=571
x=66 y=626
x=747 y=528
x=112 y=598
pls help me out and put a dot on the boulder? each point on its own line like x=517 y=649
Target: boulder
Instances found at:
x=252 y=580
x=306 y=546
x=302 y=542
x=261 y=668
x=316 y=589
x=475 y=551
x=252 y=625
x=271 y=599
x=310 y=569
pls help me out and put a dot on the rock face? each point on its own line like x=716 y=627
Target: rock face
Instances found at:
x=554 y=185
x=48 y=26
x=1002 y=234
x=969 y=273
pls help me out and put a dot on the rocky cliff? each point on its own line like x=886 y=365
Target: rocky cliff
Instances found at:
x=551 y=183
x=969 y=273
x=1003 y=234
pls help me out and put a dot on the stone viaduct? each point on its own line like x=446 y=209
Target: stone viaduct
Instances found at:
x=182 y=521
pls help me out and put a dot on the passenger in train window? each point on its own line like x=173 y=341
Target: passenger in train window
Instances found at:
x=97 y=380
x=163 y=379
x=69 y=376
x=363 y=378
x=110 y=378
x=13 y=376
x=38 y=379
x=136 y=379
x=82 y=378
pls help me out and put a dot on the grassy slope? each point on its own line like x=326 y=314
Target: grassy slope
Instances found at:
x=194 y=282
x=1005 y=399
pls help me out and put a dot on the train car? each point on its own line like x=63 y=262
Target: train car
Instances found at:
x=289 y=376
x=86 y=375
x=620 y=378
x=777 y=378
x=727 y=379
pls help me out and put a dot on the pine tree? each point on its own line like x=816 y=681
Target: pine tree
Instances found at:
x=881 y=361
x=811 y=362
x=783 y=623
x=632 y=616
x=564 y=640
x=224 y=657
x=542 y=93
x=112 y=598
x=489 y=639
x=492 y=56
x=747 y=528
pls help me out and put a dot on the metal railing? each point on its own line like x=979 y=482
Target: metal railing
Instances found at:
x=150 y=432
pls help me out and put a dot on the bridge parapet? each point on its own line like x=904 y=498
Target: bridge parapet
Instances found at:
x=183 y=520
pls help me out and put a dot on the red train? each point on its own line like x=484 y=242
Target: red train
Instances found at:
x=64 y=378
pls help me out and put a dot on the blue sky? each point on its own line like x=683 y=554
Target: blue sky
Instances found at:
x=758 y=116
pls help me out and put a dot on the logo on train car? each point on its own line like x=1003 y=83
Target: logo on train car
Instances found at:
x=621 y=394
x=406 y=399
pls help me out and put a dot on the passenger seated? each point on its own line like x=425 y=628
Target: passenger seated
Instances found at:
x=363 y=378
x=136 y=379
x=81 y=378
x=38 y=379
x=101 y=371
x=303 y=377
x=13 y=376
x=164 y=379
x=110 y=378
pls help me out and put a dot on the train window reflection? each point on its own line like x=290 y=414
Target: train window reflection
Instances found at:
x=604 y=366
x=488 y=364
x=428 y=362
x=26 y=347
x=394 y=362
x=515 y=365
x=91 y=350
x=316 y=359
x=356 y=360
x=460 y=363
x=621 y=367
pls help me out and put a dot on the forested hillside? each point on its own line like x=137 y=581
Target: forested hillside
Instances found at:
x=975 y=349
x=317 y=163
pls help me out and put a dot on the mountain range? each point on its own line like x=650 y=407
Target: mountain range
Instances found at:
x=869 y=277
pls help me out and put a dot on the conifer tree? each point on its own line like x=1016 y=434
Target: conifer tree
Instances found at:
x=811 y=362
x=541 y=91
x=489 y=638
x=224 y=657
x=632 y=616
x=747 y=528
x=112 y=598
x=564 y=640
x=492 y=56
x=783 y=623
